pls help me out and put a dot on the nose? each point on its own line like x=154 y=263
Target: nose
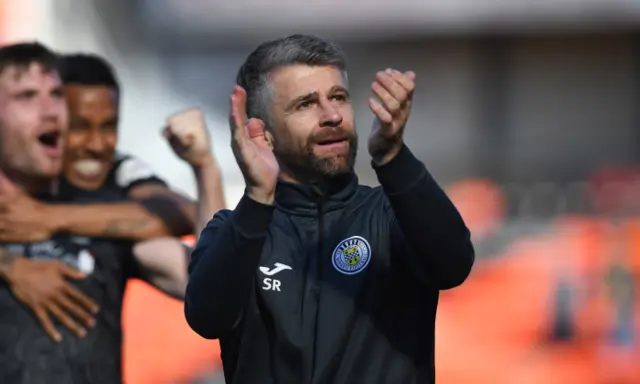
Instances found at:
x=95 y=142
x=55 y=110
x=331 y=116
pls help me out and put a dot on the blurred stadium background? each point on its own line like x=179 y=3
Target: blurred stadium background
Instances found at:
x=528 y=111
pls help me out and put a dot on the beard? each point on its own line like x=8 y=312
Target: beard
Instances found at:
x=304 y=164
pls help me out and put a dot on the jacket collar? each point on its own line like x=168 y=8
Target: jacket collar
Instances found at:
x=306 y=199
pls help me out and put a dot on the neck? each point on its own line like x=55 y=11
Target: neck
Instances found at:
x=333 y=192
x=289 y=177
x=285 y=176
x=30 y=185
x=319 y=180
x=309 y=177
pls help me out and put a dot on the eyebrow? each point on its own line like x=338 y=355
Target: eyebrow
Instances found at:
x=111 y=121
x=299 y=99
x=314 y=95
x=339 y=88
x=56 y=90
x=78 y=120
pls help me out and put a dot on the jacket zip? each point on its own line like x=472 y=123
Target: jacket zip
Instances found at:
x=319 y=274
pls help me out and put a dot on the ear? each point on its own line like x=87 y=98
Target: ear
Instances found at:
x=269 y=137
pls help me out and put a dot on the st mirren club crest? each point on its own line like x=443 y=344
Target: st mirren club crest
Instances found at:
x=351 y=255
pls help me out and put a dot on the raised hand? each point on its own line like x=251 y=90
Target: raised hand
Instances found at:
x=395 y=90
x=187 y=134
x=252 y=150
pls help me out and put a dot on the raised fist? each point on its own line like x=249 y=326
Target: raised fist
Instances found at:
x=187 y=134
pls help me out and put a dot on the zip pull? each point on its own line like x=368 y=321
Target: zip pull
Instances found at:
x=318 y=193
x=320 y=219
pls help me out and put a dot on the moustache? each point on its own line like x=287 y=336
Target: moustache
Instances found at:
x=331 y=136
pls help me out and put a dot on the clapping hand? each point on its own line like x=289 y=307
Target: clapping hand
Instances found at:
x=395 y=91
x=252 y=150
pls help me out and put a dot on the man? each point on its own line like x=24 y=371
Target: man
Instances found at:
x=314 y=278
x=91 y=160
x=91 y=163
x=92 y=92
x=33 y=122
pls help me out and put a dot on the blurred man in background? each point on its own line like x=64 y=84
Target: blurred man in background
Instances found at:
x=91 y=163
x=36 y=269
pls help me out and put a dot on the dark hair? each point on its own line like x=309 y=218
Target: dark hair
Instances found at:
x=22 y=55
x=253 y=75
x=85 y=69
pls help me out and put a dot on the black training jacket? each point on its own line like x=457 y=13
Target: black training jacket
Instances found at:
x=336 y=284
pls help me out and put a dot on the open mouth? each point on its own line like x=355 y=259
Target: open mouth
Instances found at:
x=51 y=142
x=50 y=139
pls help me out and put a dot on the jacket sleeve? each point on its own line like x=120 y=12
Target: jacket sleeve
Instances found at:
x=427 y=220
x=223 y=266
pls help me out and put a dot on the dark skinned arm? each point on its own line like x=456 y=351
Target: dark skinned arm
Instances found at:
x=210 y=192
x=156 y=212
x=178 y=213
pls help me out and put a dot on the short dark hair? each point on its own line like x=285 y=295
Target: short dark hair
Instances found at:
x=253 y=75
x=87 y=69
x=22 y=55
